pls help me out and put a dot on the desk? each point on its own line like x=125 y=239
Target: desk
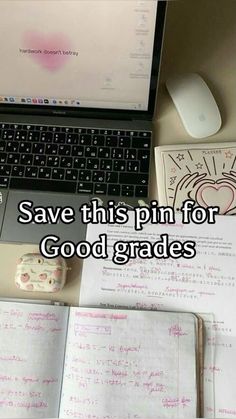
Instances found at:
x=200 y=36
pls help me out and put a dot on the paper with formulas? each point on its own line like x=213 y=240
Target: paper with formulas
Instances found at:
x=123 y=364
x=204 y=284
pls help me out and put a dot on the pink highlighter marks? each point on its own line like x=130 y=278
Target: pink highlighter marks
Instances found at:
x=48 y=50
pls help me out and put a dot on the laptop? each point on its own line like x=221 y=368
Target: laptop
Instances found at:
x=77 y=94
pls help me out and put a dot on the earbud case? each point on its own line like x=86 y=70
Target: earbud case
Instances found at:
x=37 y=273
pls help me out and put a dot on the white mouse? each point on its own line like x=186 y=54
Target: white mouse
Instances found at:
x=195 y=104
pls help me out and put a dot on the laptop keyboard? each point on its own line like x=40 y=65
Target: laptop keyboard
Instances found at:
x=75 y=160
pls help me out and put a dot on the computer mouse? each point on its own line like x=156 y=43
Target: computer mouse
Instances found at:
x=195 y=104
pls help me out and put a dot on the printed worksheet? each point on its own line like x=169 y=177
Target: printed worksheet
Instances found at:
x=203 y=284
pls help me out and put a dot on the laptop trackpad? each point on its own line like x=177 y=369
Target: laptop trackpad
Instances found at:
x=13 y=231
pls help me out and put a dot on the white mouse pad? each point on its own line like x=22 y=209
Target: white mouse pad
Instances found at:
x=205 y=173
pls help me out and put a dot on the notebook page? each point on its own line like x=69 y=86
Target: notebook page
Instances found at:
x=124 y=364
x=32 y=346
x=204 y=284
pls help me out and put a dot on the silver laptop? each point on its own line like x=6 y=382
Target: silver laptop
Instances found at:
x=77 y=93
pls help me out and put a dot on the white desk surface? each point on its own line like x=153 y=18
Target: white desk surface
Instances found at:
x=200 y=36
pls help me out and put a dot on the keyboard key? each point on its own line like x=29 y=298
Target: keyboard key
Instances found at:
x=128 y=178
x=100 y=188
x=132 y=133
x=67 y=129
x=141 y=143
x=141 y=191
x=54 y=129
x=92 y=131
x=114 y=190
x=39 y=161
x=106 y=164
x=59 y=138
x=71 y=174
x=115 y=132
x=85 y=187
x=66 y=162
x=43 y=185
x=8 y=134
x=18 y=171
x=119 y=165
x=104 y=152
x=117 y=153
x=27 y=159
x=31 y=172
x=2 y=146
x=98 y=140
x=51 y=149
x=124 y=142
x=98 y=176
x=5 y=170
x=21 y=135
x=46 y=137
x=12 y=146
x=38 y=148
x=85 y=139
x=13 y=158
x=145 y=134
x=58 y=174
x=144 y=158
x=111 y=177
x=33 y=136
x=105 y=131
x=92 y=164
x=53 y=161
x=25 y=147
x=130 y=154
x=77 y=151
x=80 y=130
x=4 y=182
x=64 y=150
x=132 y=166
x=127 y=190
x=3 y=157
x=41 y=128
x=90 y=151
x=79 y=163
x=45 y=173
x=85 y=175
x=111 y=141
x=26 y=127
x=72 y=139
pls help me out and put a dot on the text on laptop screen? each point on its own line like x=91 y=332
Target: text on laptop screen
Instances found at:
x=81 y=53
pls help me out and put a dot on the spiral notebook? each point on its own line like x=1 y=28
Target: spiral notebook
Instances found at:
x=205 y=173
x=57 y=361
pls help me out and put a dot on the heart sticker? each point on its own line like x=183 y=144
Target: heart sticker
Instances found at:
x=217 y=195
x=48 y=49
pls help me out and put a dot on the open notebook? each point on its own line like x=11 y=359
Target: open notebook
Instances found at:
x=85 y=363
x=205 y=173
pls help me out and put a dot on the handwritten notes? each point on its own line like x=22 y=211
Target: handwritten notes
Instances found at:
x=129 y=364
x=204 y=284
x=31 y=359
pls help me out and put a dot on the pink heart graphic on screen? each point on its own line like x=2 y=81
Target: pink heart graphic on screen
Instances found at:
x=50 y=42
x=220 y=195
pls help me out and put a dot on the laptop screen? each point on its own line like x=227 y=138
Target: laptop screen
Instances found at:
x=80 y=53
